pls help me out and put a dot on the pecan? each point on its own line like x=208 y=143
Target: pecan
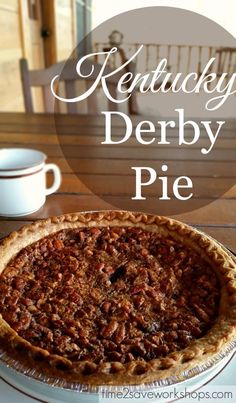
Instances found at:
x=63 y=343
x=109 y=329
x=58 y=244
x=83 y=333
x=96 y=294
x=69 y=278
x=138 y=349
x=120 y=333
x=43 y=320
x=106 y=306
x=12 y=300
x=157 y=339
x=88 y=251
x=138 y=289
x=161 y=350
x=40 y=301
x=139 y=319
x=72 y=332
x=32 y=308
x=201 y=313
x=173 y=325
x=114 y=356
x=151 y=292
x=11 y=270
x=10 y=316
x=109 y=345
x=144 y=252
x=138 y=300
x=120 y=285
x=95 y=231
x=75 y=297
x=5 y=289
x=83 y=342
x=27 y=301
x=149 y=346
x=19 y=283
x=82 y=236
x=182 y=300
x=47 y=308
x=114 y=236
x=109 y=270
x=90 y=310
x=49 y=336
x=129 y=357
x=184 y=336
x=36 y=293
x=171 y=335
x=126 y=306
x=118 y=230
x=58 y=323
x=55 y=317
x=23 y=322
x=100 y=266
x=112 y=250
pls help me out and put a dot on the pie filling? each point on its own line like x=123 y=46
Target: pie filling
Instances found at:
x=109 y=294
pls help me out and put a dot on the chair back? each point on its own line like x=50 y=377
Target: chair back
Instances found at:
x=69 y=77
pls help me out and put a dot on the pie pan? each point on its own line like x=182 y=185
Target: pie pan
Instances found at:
x=25 y=382
x=202 y=355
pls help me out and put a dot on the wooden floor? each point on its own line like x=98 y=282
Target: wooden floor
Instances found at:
x=210 y=176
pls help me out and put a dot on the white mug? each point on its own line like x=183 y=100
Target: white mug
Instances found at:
x=23 y=181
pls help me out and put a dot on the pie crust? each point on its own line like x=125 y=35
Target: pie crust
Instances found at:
x=137 y=372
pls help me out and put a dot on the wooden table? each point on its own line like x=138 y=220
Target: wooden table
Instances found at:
x=38 y=131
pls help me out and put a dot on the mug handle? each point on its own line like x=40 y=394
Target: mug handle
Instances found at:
x=57 y=178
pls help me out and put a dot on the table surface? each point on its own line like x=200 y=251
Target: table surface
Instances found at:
x=217 y=218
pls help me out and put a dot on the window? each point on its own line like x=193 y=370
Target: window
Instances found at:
x=84 y=24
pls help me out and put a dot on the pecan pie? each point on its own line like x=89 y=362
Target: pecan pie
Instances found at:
x=114 y=297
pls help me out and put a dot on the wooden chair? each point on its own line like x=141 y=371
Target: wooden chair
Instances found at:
x=68 y=75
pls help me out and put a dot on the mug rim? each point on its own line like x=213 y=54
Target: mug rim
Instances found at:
x=22 y=170
x=21 y=174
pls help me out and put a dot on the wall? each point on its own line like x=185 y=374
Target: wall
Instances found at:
x=10 y=53
x=64 y=28
x=21 y=37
